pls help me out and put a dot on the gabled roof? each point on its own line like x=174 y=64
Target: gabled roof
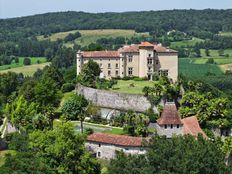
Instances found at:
x=120 y=140
x=129 y=49
x=103 y=54
x=161 y=49
x=192 y=127
x=169 y=115
x=146 y=44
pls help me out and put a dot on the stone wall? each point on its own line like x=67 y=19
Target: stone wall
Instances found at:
x=115 y=100
x=169 y=132
x=107 y=151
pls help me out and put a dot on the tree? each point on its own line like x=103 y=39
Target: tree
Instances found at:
x=21 y=113
x=63 y=149
x=173 y=156
x=25 y=162
x=89 y=73
x=207 y=52
x=27 y=61
x=75 y=108
x=221 y=52
x=46 y=94
x=136 y=124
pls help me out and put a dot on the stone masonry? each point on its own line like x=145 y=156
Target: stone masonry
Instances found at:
x=115 y=100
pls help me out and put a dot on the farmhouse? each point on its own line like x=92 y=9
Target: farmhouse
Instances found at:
x=142 y=60
x=170 y=123
x=104 y=145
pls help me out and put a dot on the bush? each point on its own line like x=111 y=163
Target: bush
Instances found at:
x=89 y=131
x=210 y=61
x=67 y=87
x=155 y=100
x=27 y=61
x=16 y=59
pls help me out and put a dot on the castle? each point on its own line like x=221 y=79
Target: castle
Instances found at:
x=142 y=60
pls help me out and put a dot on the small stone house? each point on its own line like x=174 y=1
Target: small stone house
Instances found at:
x=169 y=123
x=104 y=145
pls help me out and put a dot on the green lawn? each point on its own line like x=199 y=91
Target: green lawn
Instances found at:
x=186 y=43
x=20 y=64
x=91 y=36
x=214 y=54
x=126 y=86
x=95 y=127
x=26 y=70
x=196 y=67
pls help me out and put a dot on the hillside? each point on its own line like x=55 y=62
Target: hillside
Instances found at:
x=191 y=21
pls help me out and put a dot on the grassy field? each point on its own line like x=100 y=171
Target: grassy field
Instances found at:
x=20 y=64
x=26 y=70
x=126 y=86
x=225 y=33
x=95 y=127
x=91 y=36
x=190 y=68
x=186 y=43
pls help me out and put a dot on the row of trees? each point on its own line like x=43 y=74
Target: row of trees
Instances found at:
x=174 y=156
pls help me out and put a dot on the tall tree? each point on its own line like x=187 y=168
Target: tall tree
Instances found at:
x=75 y=108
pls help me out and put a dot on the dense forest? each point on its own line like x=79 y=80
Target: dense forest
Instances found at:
x=189 y=21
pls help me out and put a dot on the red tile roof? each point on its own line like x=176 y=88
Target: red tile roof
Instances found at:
x=192 y=127
x=161 y=49
x=129 y=49
x=169 y=115
x=146 y=44
x=103 y=54
x=120 y=140
x=126 y=49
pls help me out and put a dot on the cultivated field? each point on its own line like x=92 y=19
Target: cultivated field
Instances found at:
x=91 y=36
x=26 y=70
x=186 y=43
x=20 y=64
x=131 y=86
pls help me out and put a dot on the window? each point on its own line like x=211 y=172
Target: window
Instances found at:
x=163 y=72
x=116 y=59
x=109 y=73
x=100 y=65
x=99 y=145
x=116 y=65
x=109 y=65
x=109 y=59
x=149 y=55
x=116 y=73
x=165 y=126
x=130 y=71
x=130 y=58
x=171 y=126
x=99 y=154
x=157 y=62
x=177 y=126
x=100 y=59
x=149 y=61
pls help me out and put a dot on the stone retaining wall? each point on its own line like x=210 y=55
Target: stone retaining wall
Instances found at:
x=115 y=100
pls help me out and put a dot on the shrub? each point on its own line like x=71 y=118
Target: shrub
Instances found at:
x=210 y=61
x=27 y=61
x=16 y=60
x=89 y=131
x=67 y=87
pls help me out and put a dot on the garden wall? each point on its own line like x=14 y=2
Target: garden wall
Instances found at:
x=115 y=100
